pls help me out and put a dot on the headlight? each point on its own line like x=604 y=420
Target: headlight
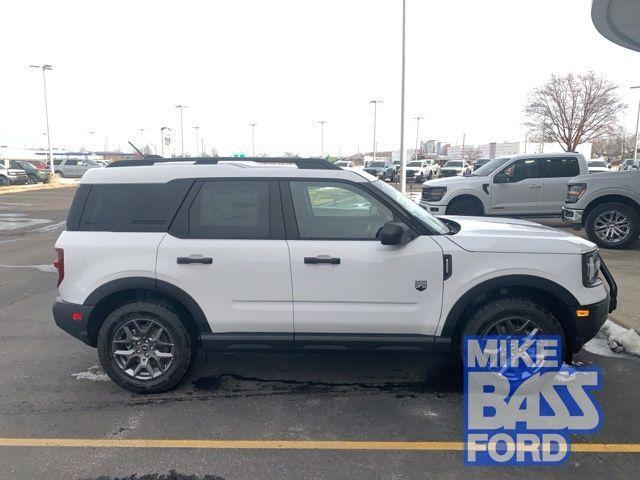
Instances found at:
x=433 y=194
x=575 y=191
x=590 y=268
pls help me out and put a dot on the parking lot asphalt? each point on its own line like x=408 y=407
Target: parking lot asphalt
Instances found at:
x=52 y=388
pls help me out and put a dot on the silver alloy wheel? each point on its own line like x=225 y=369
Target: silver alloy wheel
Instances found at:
x=514 y=325
x=612 y=226
x=143 y=349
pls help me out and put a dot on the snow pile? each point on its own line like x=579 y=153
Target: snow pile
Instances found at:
x=94 y=373
x=621 y=339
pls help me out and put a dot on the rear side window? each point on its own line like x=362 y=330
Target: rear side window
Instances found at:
x=562 y=167
x=137 y=207
x=230 y=209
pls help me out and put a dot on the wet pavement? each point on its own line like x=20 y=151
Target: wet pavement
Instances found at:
x=51 y=387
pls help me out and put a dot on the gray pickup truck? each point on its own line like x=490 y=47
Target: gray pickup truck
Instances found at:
x=74 y=168
x=607 y=205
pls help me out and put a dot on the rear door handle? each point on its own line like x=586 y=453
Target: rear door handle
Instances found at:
x=195 y=259
x=322 y=259
x=537 y=185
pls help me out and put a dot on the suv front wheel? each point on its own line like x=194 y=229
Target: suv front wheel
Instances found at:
x=613 y=225
x=144 y=347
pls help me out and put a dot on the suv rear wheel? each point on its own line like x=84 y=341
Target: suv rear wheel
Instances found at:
x=144 y=347
x=613 y=225
x=512 y=316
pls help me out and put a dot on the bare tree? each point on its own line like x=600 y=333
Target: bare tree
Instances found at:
x=472 y=154
x=574 y=109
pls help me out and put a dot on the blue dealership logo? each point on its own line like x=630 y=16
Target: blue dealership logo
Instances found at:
x=522 y=403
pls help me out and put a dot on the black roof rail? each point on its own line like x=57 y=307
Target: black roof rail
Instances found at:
x=301 y=163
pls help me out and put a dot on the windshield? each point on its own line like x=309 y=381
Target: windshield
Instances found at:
x=490 y=167
x=92 y=162
x=376 y=164
x=415 y=210
x=598 y=163
x=453 y=164
x=342 y=164
x=414 y=164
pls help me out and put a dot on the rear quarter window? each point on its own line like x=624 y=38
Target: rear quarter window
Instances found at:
x=140 y=207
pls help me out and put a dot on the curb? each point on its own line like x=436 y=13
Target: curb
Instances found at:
x=40 y=186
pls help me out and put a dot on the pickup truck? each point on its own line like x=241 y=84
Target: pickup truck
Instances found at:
x=421 y=170
x=607 y=205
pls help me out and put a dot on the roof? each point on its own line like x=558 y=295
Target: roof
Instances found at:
x=164 y=170
x=617 y=20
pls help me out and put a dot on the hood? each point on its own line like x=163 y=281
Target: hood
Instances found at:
x=507 y=235
x=458 y=181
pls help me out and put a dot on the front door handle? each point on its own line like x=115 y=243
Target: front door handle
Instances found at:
x=322 y=259
x=195 y=259
x=537 y=185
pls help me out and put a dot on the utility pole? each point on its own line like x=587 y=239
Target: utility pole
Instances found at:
x=464 y=136
x=162 y=138
x=253 y=138
x=141 y=130
x=403 y=160
x=375 y=120
x=322 y=124
x=417 y=119
x=181 y=107
x=196 y=128
x=44 y=68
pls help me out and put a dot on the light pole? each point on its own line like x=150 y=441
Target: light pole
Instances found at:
x=464 y=137
x=181 y=107
x=253 y=138
x=635 y=143
x=403 y=160
x=322 y=124
x=375 y=121
x=197 y=128
x=91 y=133
x=44 y=68
x=141 y=130
x=417 y=119
x=162 y=129
x=526 y=136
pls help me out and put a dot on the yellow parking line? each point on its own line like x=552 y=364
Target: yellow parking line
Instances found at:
x=283 y=444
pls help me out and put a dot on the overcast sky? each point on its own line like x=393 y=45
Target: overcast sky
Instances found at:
x=122 y=65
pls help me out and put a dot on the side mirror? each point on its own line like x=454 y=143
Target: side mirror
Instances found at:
x=500 y=178
x=394 y=233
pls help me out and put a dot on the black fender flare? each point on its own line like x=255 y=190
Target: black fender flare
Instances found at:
x=507 y=281
x=148 y=283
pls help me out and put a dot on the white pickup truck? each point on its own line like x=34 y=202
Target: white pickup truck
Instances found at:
x=421 y=170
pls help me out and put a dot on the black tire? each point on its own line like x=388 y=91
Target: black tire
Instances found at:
x=4 y=181
x=484 y=319
x=430 y=176
x=597 y=216
x=162 y=314
x=32 y=180
x=59 y=173
x=466 y=207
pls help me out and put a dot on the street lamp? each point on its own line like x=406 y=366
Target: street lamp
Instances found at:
x=417 y=119
x=196 y=128
x=181 y=107
x=253 y=139
x=141 y=130
x=322 y=124
x=635 y=144
x=162 y=129
x=44 y=68
x=375 y=121
x=403 y=160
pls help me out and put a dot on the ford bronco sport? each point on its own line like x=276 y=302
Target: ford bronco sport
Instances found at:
x=161 y=257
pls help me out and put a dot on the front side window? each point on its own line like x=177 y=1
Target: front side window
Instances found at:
x=522 y=170
x=336 y=210
x=71 y=162
x=230 y=209
x=562 y=167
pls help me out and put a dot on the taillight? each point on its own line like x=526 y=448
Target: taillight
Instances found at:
x=59 y=264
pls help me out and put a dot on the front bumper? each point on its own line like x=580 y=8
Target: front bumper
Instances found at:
x=63 y=316
x=450 y=173
x=588 y=327
x=17 y=179
x=433 y=209
x=572 y=216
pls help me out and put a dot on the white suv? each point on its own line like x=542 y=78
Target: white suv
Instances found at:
x=518 y=185
x=221 y=254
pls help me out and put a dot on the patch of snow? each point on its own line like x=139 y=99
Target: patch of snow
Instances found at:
x=614 y=340
x=94 y=373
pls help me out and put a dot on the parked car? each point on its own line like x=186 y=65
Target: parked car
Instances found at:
x=627 y=164
x=11 y=176
x=381 y=169
x=480 y=162
x=597 y=166
x=516 y=185
x=74 y=168
x=39 y=164
x=230 y=257
x=455 y=168
x=607 y=205
x=34 y=175
x=345 y=164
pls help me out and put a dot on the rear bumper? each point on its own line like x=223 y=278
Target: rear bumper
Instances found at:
x=17 y=179
x=62 y=315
